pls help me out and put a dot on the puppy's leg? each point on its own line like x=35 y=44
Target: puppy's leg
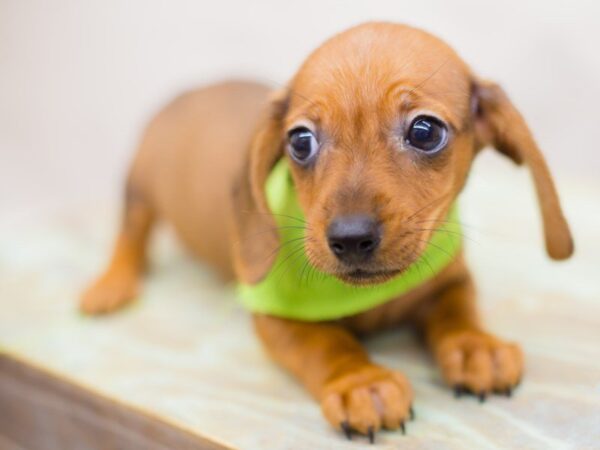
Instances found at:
x=471 y=360
x=119 y=283
x=354 y=393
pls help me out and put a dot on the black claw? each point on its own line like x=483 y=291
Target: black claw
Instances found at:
x=458 y=391
x=411 y=413
x=403 y=428
x=345 y=426
x=371 y=434
x=481 y=397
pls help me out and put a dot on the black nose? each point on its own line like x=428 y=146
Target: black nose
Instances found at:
x=353 y=238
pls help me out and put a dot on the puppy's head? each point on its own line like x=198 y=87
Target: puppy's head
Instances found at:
x=380 y=126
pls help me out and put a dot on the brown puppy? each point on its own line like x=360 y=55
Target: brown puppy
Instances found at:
x=382 y=123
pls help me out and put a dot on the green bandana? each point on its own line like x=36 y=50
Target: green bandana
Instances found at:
x=293 y=289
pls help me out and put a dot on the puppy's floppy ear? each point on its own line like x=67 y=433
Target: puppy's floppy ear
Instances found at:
x=255 y=236
x=499 y=123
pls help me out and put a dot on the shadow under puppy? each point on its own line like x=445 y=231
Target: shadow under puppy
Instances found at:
x=356 y=166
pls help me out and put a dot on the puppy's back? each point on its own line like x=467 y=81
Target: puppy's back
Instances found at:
x=188 y=158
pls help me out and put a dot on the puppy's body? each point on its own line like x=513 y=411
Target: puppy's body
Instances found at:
x=352 y=107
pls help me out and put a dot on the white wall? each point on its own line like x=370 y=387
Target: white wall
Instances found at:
x=79 y=79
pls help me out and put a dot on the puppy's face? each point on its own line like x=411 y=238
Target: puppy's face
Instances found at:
x=380 y=126
x=379 y=141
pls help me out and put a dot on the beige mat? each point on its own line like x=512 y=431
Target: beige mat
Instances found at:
x=186 y=351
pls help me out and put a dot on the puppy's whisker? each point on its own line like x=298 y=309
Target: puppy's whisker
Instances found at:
x=441 y=249
x=275 y=214
x=268 y=231
x=450 y=232
x=313 y=272
x=428 y=264
x=427 y=206
x=296 y=261
x=316 y=274
x=416 y=264
x=304 y=266
x=283 y=227
x=280 y=247
x=293 y=252
x=295 y=258
x=458 y=233
x=419 y=260
x=452 y=222
x=431 y=75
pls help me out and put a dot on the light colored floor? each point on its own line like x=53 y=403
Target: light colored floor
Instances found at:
x=186 y=351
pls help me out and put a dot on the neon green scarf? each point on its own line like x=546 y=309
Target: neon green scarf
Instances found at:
x=293 y=289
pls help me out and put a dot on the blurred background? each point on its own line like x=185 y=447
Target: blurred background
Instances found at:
x=78 y=80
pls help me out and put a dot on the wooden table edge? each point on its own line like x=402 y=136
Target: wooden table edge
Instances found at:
x=43 y=410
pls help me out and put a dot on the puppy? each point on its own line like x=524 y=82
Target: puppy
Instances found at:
x=362 y=157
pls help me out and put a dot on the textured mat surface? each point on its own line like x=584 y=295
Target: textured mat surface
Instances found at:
x=186 y=352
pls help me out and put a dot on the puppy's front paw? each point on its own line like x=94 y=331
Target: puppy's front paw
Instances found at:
x=367 y=399
x=476 y=362
x=109 y=293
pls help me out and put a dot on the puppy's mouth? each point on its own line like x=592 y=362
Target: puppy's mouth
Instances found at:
x=367 y=277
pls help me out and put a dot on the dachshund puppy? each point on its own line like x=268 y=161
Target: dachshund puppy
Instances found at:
x=362 y=157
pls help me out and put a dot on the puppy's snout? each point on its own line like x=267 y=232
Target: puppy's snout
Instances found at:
x=353 y=239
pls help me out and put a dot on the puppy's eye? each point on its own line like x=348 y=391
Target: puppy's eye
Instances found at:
x=302 y=145
x=427 y=134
